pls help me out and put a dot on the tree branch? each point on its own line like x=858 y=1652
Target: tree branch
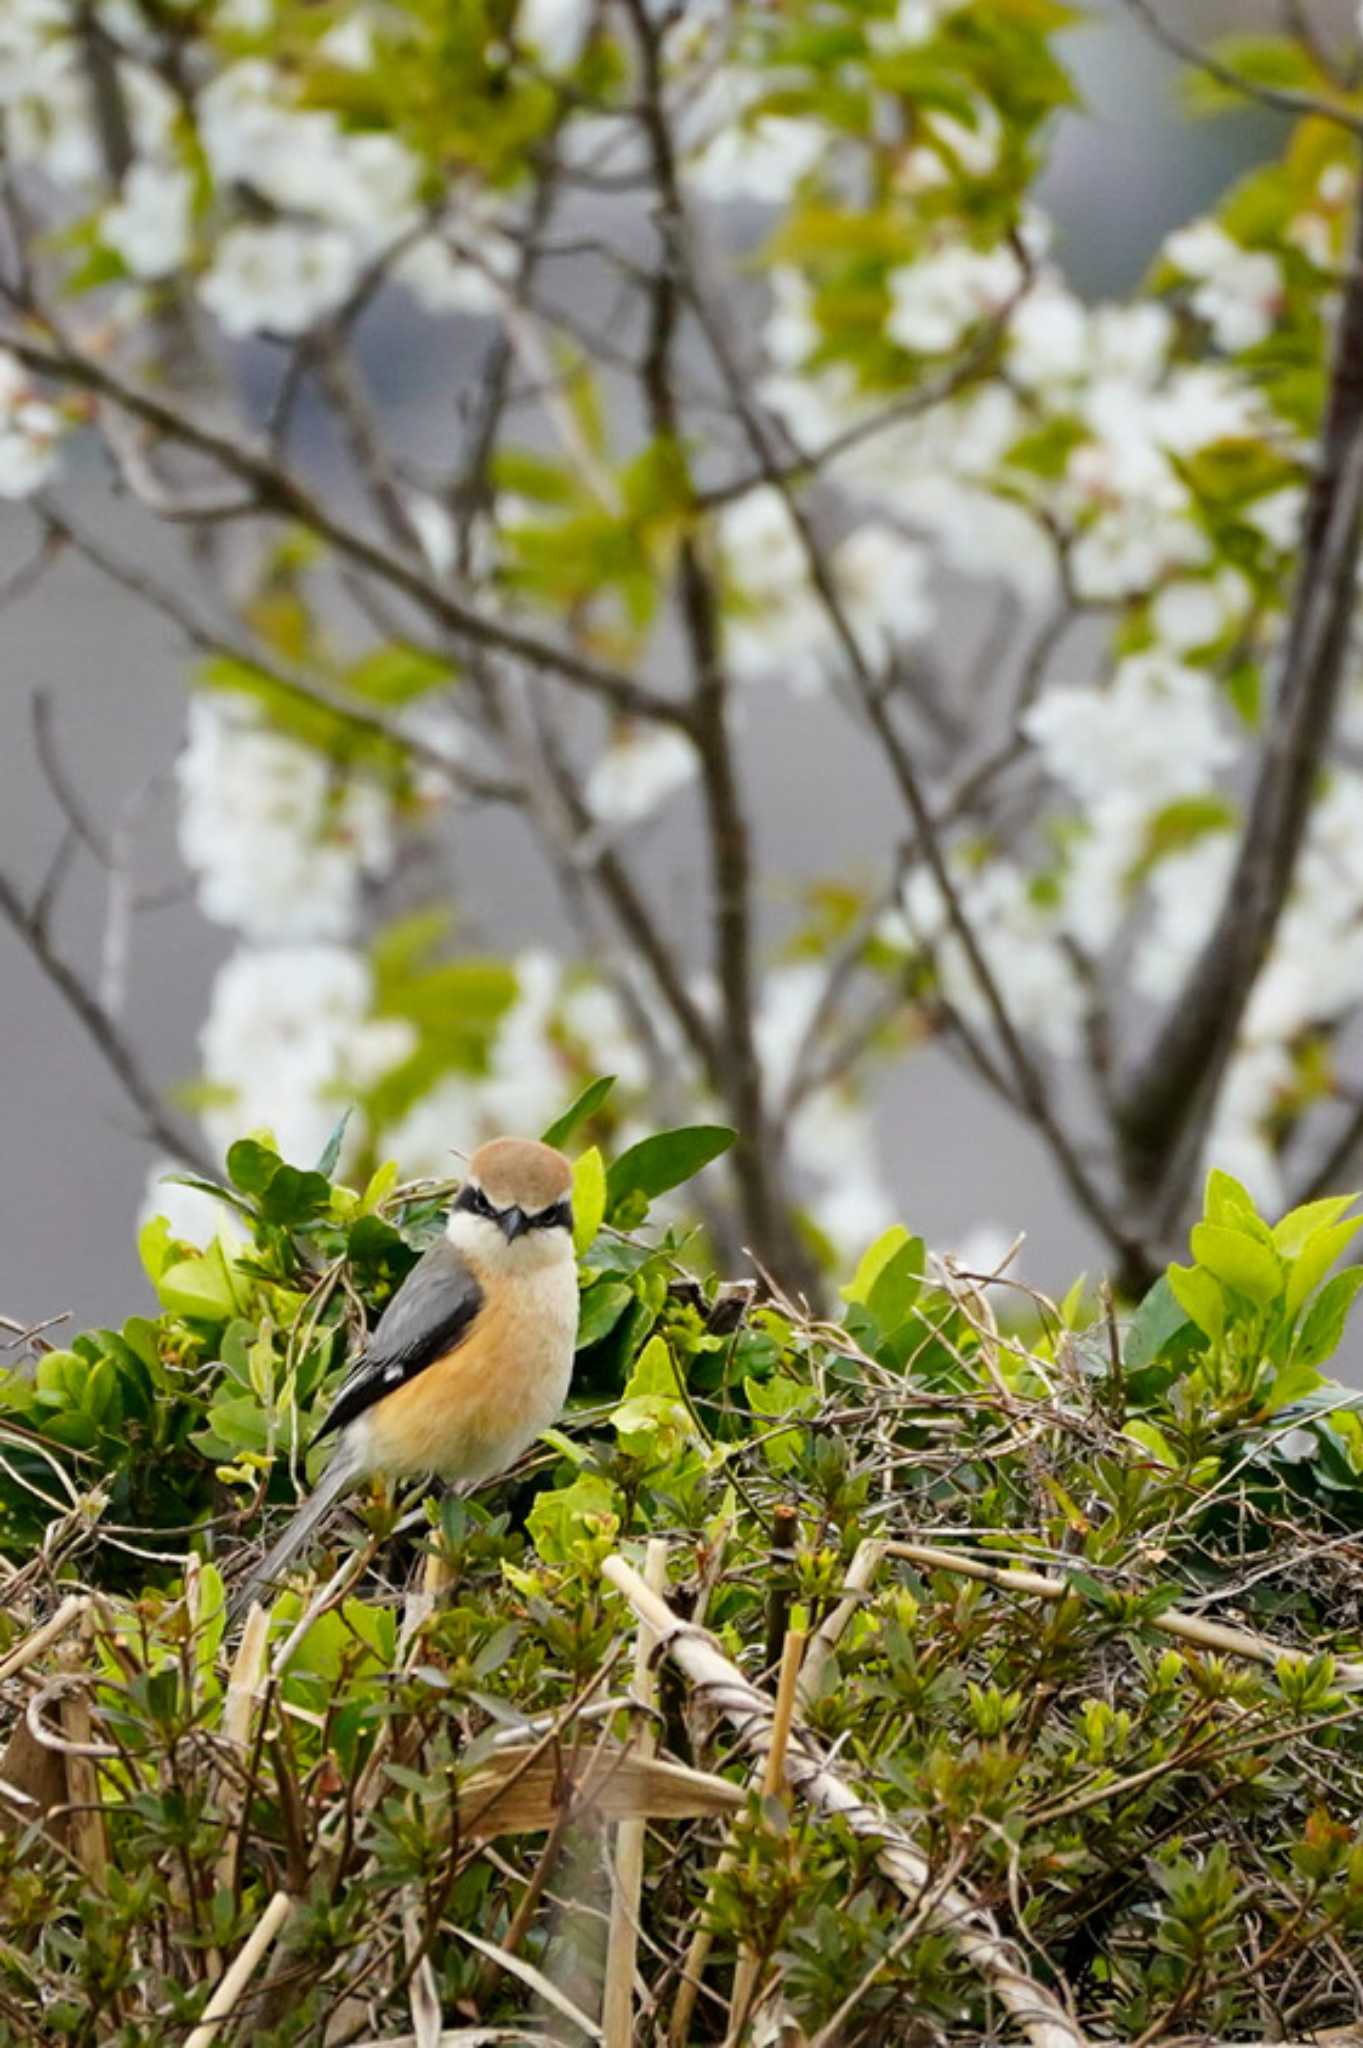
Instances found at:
x=756 y=1152
x=1281 y=99
x=1031 y=1090
x=1168 y=1101
x=100 y=1028
x=282 y=494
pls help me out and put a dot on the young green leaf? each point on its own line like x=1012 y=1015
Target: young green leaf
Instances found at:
x=665 y=1161
x=1239 y=1261
x=584 y=1105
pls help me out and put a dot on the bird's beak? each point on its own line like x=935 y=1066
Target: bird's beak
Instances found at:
x=515 y=1223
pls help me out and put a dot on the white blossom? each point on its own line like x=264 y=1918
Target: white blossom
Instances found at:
x=1153 y=734
x=279 y=280
x=1018 y=939
x=1278 y=516
x=280 y=846
x=555 y=29
x=1193 y=612
x=743 y=155
x=914 y=22
x=289 y=1041
x=882 y=581
x=149 y=223
x=1048 y=337
x=1185 y=892
x=937 y=298
x=638 y=772
x=1239 y=290
x=29 y=431
x=461 y=270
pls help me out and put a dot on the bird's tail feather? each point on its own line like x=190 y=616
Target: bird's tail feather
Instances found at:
x=339 y=1475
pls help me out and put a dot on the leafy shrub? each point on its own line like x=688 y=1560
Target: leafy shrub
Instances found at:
x=1145 y=1767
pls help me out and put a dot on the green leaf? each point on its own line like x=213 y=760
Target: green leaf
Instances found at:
x=589 y=1199
x=1201 y=1300
x=1297 y=1378
x=602 y=1308
x=897 y=1286
x=331 y=1151
x=778 y=1397
x=1290 y=1235
x=584 y=1105
x=1161 y=1315
x=1316 y=1257
x=292 y=1196
x=199 y=1288
x=583 y=1514
x=396 y=675
x=1224 y=1199
x=1239 y=1260
x=1324 y=1325
x=655 y=1372
x=252 y=1165
x=665 y=1161
x=1280 y=62
x=155 y=1248
x=873 y=1260
x=1153 y=1440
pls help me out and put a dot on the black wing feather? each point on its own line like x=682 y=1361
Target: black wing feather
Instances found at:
x=432 y=1311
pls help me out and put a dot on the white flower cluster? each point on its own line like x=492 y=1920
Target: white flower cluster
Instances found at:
x=779 y=625
x=345 y=197
x=280 y=842
x=289 y=1041
x=1238 y=291
x=29 y=431
x=1107 y=373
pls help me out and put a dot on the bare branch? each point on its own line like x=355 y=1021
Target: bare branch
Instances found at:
x=1031 y=1089
x=1168 y=1102
x=210 y=639
x=1281 y=99
x=280 y=493
x=113 y=1047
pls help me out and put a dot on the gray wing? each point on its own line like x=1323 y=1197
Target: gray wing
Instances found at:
x=433 y=1311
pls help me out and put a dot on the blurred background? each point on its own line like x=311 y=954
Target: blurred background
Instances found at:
x=1126 y=169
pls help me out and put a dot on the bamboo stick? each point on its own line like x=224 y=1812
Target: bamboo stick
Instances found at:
x=617 y=2005
x=1208 y=1635
x=1038 y=2013
x=248 y=1960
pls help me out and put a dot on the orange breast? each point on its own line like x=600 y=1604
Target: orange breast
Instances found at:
x=472 y=1413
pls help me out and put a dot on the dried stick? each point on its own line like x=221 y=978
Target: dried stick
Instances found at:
x=252 y=1953
x=32 y=1647
x=89 y=1841
x=1208 y=1635
x=1037 y=2011
x=617 y=2005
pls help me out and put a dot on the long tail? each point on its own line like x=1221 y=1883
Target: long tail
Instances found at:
x=340 y=1474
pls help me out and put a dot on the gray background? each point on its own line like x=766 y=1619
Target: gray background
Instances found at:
x=74 y=1168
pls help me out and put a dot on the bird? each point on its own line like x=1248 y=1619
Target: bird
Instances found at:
x=473 y=1355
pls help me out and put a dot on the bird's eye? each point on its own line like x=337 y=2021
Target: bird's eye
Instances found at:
x=560 y=1215
x=473 y=1201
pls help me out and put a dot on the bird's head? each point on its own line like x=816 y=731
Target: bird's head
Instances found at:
x=515 y=1208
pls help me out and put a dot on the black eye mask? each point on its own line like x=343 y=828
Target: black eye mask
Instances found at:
x=474 y=1202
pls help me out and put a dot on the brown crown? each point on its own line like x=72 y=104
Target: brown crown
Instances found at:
x=522 y=1172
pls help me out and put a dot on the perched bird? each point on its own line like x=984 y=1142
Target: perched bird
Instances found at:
x=472 y=1357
